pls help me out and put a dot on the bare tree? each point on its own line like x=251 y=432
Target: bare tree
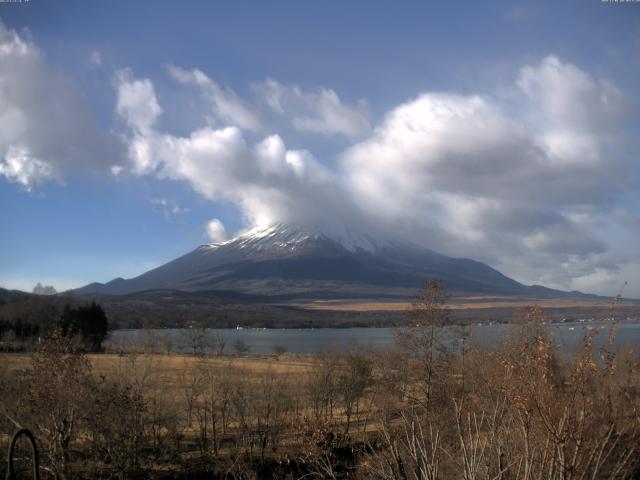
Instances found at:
x=322 y=386
x=58 y=392
x=218 y=343
x=149 y=340
x=191 y=389
x=279 y=350
x=167 y=343
x=241 y=347
x=354 y=378
x=422 y=338
x=197 y=338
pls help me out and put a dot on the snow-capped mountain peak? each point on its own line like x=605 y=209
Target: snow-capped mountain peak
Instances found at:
x=312 y=262
x=288 y=236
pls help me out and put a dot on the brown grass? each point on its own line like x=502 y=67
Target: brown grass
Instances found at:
x=170 y=367
x=458 y=303
x=518 y=412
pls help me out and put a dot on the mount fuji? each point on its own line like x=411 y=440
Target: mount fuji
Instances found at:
x=307 y=262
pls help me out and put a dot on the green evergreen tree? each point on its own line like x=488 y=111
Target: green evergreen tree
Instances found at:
x=87 y=322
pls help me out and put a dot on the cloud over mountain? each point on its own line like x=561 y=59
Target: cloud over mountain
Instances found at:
x=266 y=180
x=216 y=231
x=500 y=177
x=529 y=177
x=510 y=180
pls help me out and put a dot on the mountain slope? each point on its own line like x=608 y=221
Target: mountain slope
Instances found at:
x=306 y=262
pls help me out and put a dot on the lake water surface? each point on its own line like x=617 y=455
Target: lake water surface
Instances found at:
x=309 y=341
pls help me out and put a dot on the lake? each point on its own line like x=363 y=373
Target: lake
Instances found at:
x=308 y=341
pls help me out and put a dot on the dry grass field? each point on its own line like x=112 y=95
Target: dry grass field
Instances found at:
x=166 y=373
x=456 y=303
x=518 y=411
x=171 y=365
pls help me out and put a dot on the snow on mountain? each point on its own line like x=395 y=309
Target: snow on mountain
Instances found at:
x=287 y=236
x=308 y=261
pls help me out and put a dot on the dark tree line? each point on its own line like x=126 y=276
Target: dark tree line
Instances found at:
x=89 y=323
x=29 y=319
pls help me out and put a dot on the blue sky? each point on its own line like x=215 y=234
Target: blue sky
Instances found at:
x=501 y=131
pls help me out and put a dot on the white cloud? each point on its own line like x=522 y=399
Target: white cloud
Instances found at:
x=269 y=182
x=168 y=207
x=216 y=231
x=529 y=183
x=573 y=114
x=219 y=164
x=505 y=184
x=569 y=98
x=95 y=58
x=45 y=129
x=137 y=103
x=226 y=105
x=517 y=184
x=611 y=279
x=20 y=167
x=139 y=108
x=319 y=112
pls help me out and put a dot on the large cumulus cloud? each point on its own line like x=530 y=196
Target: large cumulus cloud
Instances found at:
x=518 y=183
